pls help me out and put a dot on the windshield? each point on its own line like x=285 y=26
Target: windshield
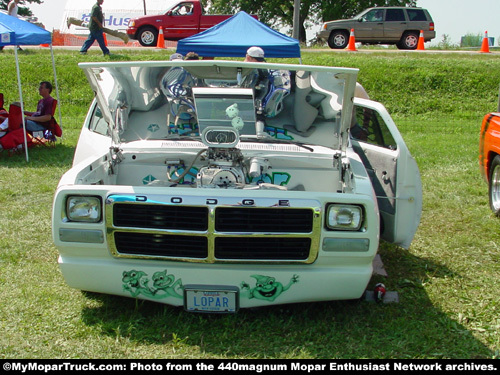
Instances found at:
x=360 y=15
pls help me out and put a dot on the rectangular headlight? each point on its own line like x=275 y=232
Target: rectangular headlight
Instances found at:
x=83 y=209
x=344 y=217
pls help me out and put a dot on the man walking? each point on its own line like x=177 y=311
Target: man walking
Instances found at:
x=12 y=10
x=96 y=33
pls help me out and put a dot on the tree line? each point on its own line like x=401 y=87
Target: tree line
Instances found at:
x=23 y=10
x=278 y=13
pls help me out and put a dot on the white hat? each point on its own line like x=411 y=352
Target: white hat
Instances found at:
x=256 y=52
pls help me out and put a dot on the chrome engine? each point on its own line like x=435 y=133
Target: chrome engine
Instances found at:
x=225 y=169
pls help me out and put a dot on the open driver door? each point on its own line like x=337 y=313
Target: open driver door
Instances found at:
x=393 y=171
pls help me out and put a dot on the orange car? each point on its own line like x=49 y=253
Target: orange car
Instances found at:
x=489 y=156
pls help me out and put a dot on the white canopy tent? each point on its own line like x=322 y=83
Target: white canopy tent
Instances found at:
x=15 y=31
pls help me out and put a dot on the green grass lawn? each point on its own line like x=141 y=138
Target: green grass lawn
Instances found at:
x=447 y=282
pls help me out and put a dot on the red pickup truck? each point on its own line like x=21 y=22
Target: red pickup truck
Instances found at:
x=184 y=19
x=489 y=156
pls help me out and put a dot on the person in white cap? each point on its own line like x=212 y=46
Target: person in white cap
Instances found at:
x=255 y=54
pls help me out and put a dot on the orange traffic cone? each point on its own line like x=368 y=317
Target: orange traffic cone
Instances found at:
x=44 y=45
x=352 y=42
x=105 y=39
x=485 y=46
x=420 y=45
x=161 y=39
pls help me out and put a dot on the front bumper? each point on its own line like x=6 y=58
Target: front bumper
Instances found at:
x=131 y=31
x=258 y=286
x=324 y=34
x=336 y=266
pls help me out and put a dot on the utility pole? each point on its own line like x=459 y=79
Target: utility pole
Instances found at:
x=296 y=19
x=144 y=3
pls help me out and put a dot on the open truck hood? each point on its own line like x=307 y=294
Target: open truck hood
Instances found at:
x=313 y=94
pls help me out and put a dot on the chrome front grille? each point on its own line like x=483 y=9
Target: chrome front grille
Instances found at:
x=160 y=216
x=212 y=233
x=281 y=220
x=262 y=248
x=161 y=245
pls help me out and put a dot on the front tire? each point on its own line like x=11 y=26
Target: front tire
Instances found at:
x=494 y=186
x=338 y=39
x=148 y=36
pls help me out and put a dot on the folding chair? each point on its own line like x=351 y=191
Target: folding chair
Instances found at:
x=13 y=140
x=15 y=117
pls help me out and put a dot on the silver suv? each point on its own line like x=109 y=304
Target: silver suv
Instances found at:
x=381 y=25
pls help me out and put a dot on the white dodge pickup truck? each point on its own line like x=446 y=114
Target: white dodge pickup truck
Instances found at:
x=219 y=185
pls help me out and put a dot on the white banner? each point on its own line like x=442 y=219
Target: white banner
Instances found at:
x=117 y=13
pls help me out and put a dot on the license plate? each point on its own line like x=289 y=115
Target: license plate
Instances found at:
x=211 y=299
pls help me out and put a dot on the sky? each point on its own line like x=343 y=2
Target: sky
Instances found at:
x=454 y=18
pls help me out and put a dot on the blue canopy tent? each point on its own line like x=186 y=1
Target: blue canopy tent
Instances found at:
x=15 y=31
x=232 y=38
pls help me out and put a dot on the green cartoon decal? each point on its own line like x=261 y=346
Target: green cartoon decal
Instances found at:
x=164 y=285
x=276 y=178
x=136 y=282
x=184 y=129
x=278 y=133
x=266 y=287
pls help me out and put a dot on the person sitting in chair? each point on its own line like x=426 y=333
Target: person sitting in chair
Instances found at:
x=38 y=121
